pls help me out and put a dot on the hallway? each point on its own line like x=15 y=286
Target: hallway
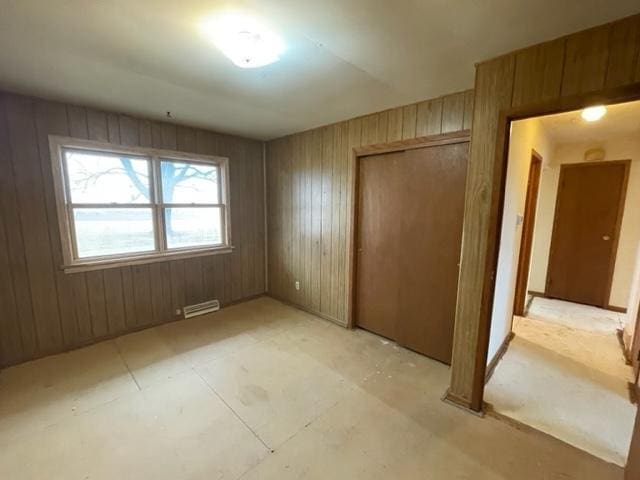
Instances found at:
x=564 y=374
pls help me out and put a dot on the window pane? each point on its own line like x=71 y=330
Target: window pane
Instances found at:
x=189 y=182
x=100 y=178
x=111 y=231
x=193 y=227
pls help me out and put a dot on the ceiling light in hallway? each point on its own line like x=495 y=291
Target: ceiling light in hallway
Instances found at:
x=593 y=114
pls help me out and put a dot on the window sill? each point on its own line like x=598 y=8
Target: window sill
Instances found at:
x=103 y=264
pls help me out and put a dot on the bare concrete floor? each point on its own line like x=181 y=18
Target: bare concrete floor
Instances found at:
x=564 y=374
x=258 y=391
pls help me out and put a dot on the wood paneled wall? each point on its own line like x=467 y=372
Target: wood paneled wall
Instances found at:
x=45 y=310
x=310 y=190
x=573 y=71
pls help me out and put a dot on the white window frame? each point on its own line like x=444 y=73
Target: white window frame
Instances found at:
x=64 y=206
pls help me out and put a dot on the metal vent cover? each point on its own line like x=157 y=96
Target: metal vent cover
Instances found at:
x=201 y=308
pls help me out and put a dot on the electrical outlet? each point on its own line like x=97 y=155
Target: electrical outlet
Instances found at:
x=178 y=311
x=297 y=285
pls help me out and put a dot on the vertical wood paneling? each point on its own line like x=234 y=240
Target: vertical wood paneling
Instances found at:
x=429 y=118
x=381 y=134
x=583 y=63
x=468 y=110
x=453 y=113
x=316 y=217
x=624 y=49
x=307 y=200
x=51 y=119
x=356 y=134
x=538 y=75
x=114 y=298
x=10 y=341
x=326 y=213
x=371 y=126
x=27 y=174
x=494 y=88
x=46 y=310
x=17 y=316
x=248 y=242
x=257 y=159
x=310 y=189
x=340 y=134
x=394 y=124
x=409 y=118
x=296 y=220
x=237 y=186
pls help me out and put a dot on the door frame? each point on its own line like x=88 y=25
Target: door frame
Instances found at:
x=463 y=136
x=526 y=241
x=634 y=351
x=496 y=187
x=618 y=224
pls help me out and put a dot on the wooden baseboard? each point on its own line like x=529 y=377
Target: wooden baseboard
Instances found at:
x=498 y=356
x=613 y=308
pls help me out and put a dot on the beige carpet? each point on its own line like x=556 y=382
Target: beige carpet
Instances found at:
x=568 y=382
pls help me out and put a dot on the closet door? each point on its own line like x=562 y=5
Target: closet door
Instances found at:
x=431 y=225
x=409 y=232
x=378 y=243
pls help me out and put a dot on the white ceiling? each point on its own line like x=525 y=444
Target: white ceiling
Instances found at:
x=621 y=120
x=344 y=57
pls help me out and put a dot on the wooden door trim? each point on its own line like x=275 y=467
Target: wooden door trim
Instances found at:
x=463 y=136
x=618 y=225
x=528 y=225
x=634 y=350
x=496 y=189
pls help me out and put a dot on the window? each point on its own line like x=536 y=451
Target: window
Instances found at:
x=129 y=205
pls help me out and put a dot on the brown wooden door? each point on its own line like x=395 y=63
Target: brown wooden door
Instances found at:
x=378 y=240
x=526 y=242
x=411 y=207
x=585 y=231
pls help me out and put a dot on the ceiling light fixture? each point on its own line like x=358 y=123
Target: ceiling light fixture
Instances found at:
x=245 y=41
x=593 y=114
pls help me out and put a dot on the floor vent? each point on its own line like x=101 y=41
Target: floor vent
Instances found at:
x=201 y=308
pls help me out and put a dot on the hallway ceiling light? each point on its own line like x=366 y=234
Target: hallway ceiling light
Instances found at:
x=593 y=114
x=244 y=40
